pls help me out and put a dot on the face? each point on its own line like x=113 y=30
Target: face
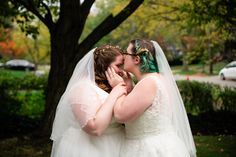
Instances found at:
x=117 y=65
x=128 y=59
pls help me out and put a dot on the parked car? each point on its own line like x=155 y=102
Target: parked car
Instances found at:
x=229 y=71
x=20 y=64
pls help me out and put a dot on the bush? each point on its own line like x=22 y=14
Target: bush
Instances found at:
x=211 y=108
x=206 y=97
x=228 y=99
x=22 y=96
x=30 y=81
x=197 y=96
x=22 y=102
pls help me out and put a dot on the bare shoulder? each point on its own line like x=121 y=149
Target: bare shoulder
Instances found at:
x=149 y=83
x=145 y=89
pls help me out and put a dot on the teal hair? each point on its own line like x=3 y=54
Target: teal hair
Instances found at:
x=148 y=62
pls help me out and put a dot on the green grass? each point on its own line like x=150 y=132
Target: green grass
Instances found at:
x=207 y=146
x=215 y=146
x=198 y=69
x=13 y=73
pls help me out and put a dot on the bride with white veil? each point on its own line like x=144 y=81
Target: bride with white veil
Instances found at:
x=83 y=125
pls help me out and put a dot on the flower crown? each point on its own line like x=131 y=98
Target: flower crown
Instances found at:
x=105 y=48
x=138 y=48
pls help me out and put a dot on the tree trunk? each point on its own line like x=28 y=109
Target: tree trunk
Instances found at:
x=64 y=46
x=66 y=52
x=185 y=62
x=229 y=50
x=210 y=58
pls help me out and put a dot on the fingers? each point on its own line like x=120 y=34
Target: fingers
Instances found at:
x=124 y=74
x=122 y=89
x=112 y=77
x=108 y=76
x=122 y=84
x=111 y=72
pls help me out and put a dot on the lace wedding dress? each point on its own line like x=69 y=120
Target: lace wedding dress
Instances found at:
x=152 y=134
x=74 y=142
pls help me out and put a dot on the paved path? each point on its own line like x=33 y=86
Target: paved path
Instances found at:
x=210 y=79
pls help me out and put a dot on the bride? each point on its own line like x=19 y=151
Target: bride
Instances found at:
x=83 y=125
x=156 y=122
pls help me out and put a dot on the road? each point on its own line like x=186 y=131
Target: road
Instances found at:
x=210 y=79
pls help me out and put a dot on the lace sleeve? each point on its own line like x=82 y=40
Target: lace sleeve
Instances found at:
x=85 y=102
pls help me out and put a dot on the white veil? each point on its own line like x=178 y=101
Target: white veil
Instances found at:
x=179 y=119
x=64 y=117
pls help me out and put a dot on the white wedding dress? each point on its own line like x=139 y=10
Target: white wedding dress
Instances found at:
x=76 y=143
x=152 y=134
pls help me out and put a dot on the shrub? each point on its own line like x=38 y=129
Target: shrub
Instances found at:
x=22 y=95
x=197 y=96
x=206 y=97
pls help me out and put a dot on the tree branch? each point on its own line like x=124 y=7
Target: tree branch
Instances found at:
x=48 y=16
x=85 y=9
x=110 y=23
x=30 y=6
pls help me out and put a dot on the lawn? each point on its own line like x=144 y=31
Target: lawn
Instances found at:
x=216 y=146
x=198 y=69
x=14 y=73
x=207 y=146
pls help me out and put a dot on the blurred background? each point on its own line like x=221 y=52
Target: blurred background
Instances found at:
x=198 y=38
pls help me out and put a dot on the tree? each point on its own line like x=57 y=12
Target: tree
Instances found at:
x=221 y=14
x=8 y=47
x=155 y=20
x=65 y=20
x=38 y=49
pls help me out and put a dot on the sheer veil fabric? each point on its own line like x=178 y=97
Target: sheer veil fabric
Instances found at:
x=179 y=116
x=83 y=72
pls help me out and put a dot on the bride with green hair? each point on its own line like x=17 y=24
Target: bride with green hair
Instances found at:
x=155 y=119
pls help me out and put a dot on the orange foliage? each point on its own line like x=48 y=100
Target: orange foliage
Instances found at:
x=9 y=48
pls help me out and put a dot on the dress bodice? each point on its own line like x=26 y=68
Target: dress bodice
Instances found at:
x=156 y=119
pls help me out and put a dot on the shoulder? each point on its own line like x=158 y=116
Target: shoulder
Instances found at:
x=82 y=89
x=145 y=88
x=149 y=82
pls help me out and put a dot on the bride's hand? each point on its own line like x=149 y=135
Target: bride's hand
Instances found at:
x=113 y=78
x=120 y=90
x=128 y=81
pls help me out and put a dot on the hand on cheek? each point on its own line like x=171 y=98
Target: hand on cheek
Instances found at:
x=113 y=78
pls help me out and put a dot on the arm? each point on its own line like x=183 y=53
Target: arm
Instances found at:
x=96 y=126
x=130 y=107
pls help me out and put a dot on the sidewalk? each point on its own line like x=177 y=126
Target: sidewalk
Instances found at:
x=211 y=79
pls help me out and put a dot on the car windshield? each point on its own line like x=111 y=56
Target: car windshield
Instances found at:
x=232 y=64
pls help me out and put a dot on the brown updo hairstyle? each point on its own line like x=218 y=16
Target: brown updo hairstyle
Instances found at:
x=103 y=57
